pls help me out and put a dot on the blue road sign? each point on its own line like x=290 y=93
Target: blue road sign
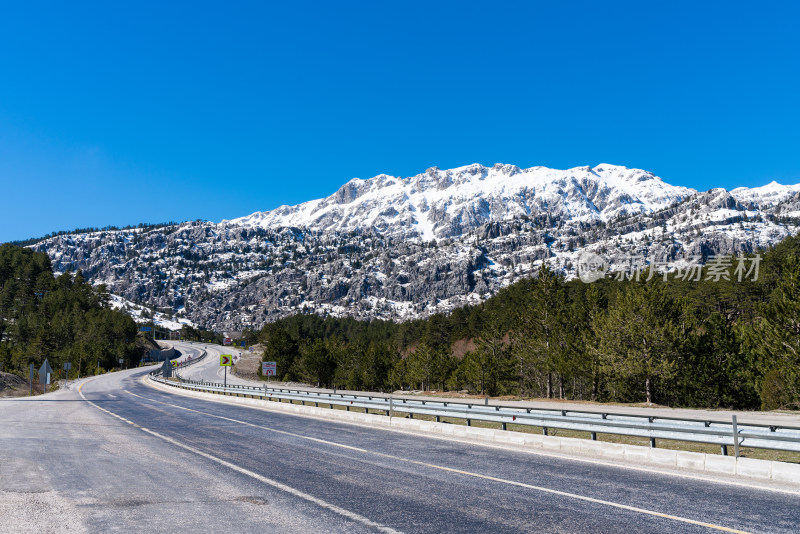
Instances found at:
x=145 y=329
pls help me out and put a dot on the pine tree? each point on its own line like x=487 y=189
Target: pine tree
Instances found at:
x=543 y=340
x=426 y=366
x=775 y=340
x=282 y=349
x=490 y=363
x=637 y=338
x=318 y=359
x=594 y=305
x=713 y=368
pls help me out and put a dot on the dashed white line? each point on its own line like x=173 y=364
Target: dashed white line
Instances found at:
x=274 y=483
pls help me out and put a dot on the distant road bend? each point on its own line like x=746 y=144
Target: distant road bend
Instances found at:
x=114 y=454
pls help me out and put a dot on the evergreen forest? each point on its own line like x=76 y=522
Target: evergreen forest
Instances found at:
x=63 y=319
x=691 y=343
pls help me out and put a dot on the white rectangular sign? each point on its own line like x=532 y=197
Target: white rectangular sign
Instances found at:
x=269 y=368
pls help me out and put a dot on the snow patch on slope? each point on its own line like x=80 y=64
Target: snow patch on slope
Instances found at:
x=139 y=312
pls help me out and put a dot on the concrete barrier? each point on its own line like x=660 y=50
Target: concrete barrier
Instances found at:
x=661 y=457
x=664 y=458
x=716 y=463
x=784 y=472
x=690 y=460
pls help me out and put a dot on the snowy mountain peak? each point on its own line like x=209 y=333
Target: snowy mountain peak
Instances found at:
x=765 y=196
x=448 y=203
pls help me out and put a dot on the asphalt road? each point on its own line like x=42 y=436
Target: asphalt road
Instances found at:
x=119 y=455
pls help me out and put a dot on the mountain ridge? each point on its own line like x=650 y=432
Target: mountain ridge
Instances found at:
x=400 y=248
x=437 y=193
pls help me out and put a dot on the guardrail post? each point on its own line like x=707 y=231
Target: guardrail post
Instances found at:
x=544 y=430
x=594 y=436
x=735 y=438
x=723 y=450
x=651 y=420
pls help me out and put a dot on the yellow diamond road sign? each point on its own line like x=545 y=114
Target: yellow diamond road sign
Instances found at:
x=225 y=360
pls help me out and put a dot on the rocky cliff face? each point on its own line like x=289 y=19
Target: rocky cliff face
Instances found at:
x=400 y=248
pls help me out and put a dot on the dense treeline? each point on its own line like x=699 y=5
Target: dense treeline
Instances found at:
x=189 y=333
x=697 y=343
x=63 y=319
x=89 y=230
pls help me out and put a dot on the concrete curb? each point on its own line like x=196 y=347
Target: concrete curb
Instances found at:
x=712 y=464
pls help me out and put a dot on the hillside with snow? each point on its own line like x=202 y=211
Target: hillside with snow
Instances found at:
x=446 y=204
x=398 y=248
x=143 y=315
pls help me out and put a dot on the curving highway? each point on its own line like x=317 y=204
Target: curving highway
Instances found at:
x=115 y=454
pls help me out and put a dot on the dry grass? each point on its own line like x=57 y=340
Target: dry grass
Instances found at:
x=248 y=365
x=12 y=385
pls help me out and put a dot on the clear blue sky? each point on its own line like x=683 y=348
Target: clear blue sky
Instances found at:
x=158 y=111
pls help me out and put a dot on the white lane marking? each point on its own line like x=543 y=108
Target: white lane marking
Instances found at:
x=274 y=483
x=459 y=471
x=485 y=444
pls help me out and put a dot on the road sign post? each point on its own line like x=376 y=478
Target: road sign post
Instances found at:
x=44 y=374
x=30 y=375
x=225 y=360
x=67 y=367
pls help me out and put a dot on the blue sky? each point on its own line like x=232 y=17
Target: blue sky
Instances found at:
x=115 y=114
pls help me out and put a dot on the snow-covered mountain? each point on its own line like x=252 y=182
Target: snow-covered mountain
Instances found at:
x=767 y=196
x=391 y=247
x=447 y=204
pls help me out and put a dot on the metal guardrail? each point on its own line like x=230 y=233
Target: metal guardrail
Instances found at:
x=720 y=433
x=191 y=361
